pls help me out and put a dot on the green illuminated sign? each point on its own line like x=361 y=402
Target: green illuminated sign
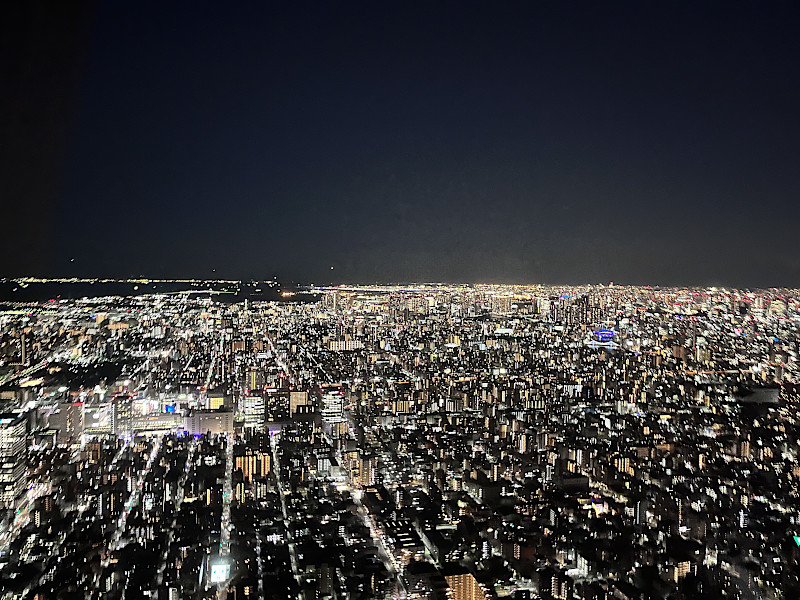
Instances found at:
x=797 y=540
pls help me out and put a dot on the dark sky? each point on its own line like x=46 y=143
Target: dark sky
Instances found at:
x=553 y=142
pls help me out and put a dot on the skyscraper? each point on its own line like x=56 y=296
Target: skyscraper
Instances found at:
x=12 y=456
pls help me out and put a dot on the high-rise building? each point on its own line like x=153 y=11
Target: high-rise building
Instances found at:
x=254 y=413
x=255 y=379
x=465 y=587
x=121 y=416
x=366 y=470
x=12 y=456
x=333 y=407
x=24 y=350
x=254 y=464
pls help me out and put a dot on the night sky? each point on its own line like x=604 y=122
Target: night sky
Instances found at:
x=536 y=142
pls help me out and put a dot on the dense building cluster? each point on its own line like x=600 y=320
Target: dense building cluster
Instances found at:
x=428 y=441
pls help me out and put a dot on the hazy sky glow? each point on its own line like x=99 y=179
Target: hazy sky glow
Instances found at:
x=533 y=142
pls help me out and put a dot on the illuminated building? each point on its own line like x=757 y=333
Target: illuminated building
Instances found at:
x=254 y=412
x=255 y=379
x=464 y=587
x=24 y=350
x=253 y=464
x=121 y=416
x=209 y=421
x=12 y=457
x=97 y=418
x=681 y=570
x=333 y=407
x=366 y=470
x=68 y=420
x=296 y=400
x=216 y=401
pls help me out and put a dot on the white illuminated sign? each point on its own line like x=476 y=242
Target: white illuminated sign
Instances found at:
x=220 y=572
